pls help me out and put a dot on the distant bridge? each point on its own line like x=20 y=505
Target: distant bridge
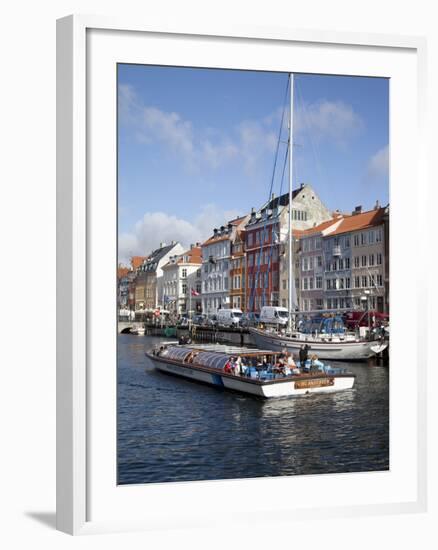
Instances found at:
x=126 y=326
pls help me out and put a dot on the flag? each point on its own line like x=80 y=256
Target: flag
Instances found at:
x=194 y=292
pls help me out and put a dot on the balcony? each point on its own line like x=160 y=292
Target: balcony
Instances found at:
x=336 y=250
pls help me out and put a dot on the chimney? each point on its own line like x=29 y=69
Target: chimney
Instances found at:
x=377 y=205
x=222 y=229
x=172 y=242
x=302 y=185
x=357 y=210
x=198 y=244
x=162 y=245
x=215 y=231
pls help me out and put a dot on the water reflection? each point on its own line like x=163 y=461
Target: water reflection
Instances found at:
x=171 y=429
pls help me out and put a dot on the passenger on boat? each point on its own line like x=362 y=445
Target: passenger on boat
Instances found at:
x=238 y=366
x=228 y=368
x=313 y=360
x=304 y=354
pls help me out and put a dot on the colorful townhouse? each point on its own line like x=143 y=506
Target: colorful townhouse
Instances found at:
x=182 y=282
x=149 y=279
x=217 y=266
x=266 y=244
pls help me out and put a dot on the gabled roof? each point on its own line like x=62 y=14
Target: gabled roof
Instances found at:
x=152 y=260
x=361 y=221
x=194 y=258
x=321 y=227
x=136 y=261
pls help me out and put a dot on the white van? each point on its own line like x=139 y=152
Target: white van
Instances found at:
x=272 y=315
x=229 y=317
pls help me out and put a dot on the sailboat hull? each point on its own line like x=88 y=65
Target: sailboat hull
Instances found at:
x=334 y=350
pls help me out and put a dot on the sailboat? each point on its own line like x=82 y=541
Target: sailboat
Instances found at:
x=339 y=345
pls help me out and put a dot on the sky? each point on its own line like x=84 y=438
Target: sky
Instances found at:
x=197 y=147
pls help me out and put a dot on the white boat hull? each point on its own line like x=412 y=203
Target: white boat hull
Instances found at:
x=334 y=350
x=285 y=388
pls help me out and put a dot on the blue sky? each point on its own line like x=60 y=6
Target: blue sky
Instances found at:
x=197 y=146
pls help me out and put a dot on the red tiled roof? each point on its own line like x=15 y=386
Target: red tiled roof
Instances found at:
x=122 y=271
x=360 y=221
x=320 y=227
x=136 y=261
x=194 y=254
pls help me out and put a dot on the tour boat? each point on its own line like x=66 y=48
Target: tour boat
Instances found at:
x=258 y=375
x=338 y=347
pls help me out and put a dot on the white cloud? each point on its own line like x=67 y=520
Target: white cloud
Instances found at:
x=156 y=227
x=378 y=165
x=198 y=148
x=334 y=121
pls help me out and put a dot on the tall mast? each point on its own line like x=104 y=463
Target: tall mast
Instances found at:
x=290 y=145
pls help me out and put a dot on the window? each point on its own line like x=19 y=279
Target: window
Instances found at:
x=328 y=266
x=347 y=282
x=319 y=303
x=364 y=281
x=311 y=262
x=357 y=302
x=329 y=303
x=328 y=284
x=305 y=264
x=371 y=237
x=319 y=261
x=347 y=263
x=379 y=235
x=284 y=283
x=318 y=243
x=334 y=264
x=184 y=273
x=379 y=259
x=335 y=303
x=364 y=261
x=319 y=282
x=198 y=288
x=198 y=273
x=257 y=237
x=379 y=280
x=357 y=282
x=356 y=240
x=310 y=283
x=341 y=263
x=341 y=283
x=372 y=280
x=347 y=242
x=184 y=289
x=363 y=238
x=371 y=260
x=305 y=283
x=356 y=261
x=341 y=303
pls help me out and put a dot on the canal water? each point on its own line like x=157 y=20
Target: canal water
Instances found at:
x=170 y=429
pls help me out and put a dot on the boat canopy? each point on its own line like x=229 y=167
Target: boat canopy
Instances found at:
x=211 y=359
x=178 y=353
x=323 y=325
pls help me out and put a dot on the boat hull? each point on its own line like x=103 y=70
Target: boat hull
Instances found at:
x=290 y=387
x=337 y=351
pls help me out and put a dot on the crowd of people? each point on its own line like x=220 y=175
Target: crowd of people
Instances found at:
x=282 y=364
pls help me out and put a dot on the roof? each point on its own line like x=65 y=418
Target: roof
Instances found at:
x=194 y=257
x=360 y=221
x=224 y=237
x=136 y=261
x=122 y=271
x=320 y=227
x=156 y=255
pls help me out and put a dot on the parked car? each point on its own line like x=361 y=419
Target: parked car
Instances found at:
x=250 y=320
x=274 y=315
x=229 y=317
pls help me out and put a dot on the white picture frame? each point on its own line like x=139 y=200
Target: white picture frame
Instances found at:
x=85 y=501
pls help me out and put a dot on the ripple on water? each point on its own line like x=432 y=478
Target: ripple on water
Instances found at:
x=170 y=429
